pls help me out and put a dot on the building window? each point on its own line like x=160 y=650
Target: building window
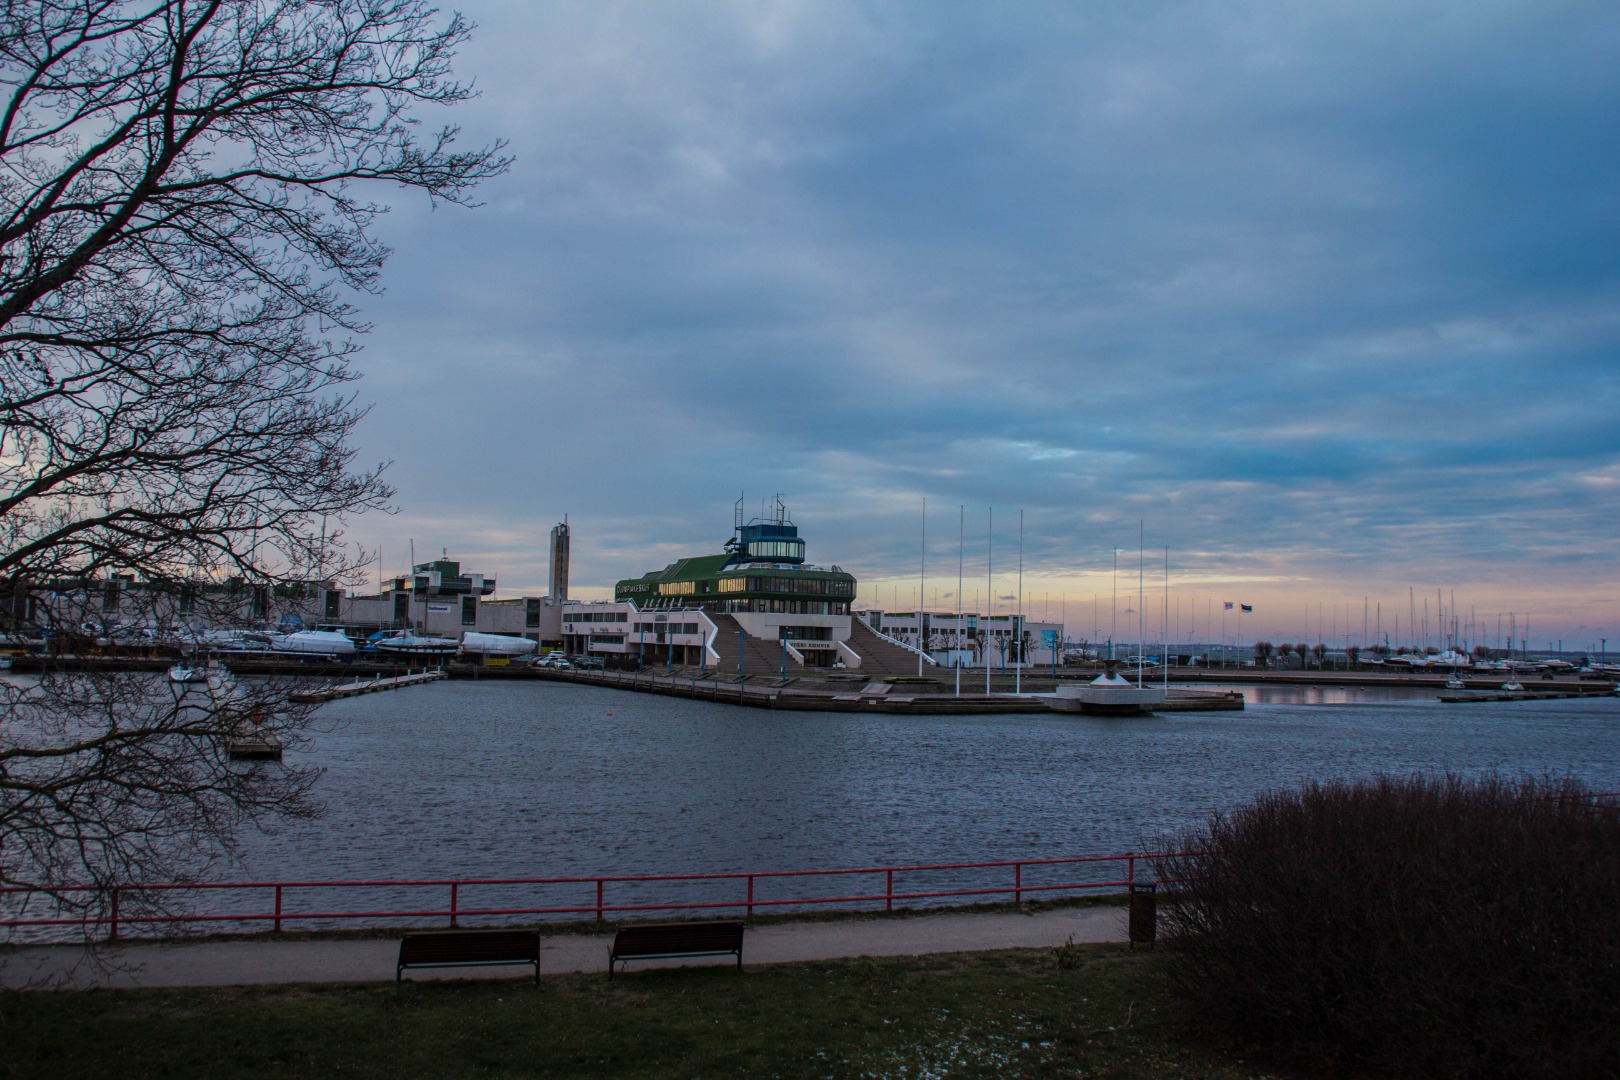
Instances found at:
x=776 y=549
x=334 y=605
x=531 y=612
x=469 y=611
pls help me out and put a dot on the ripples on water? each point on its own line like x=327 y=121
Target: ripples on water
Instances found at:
x=509 y=779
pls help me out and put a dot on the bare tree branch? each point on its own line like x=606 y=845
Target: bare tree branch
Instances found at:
x=181 y=229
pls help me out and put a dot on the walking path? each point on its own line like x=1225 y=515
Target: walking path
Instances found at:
x=270 y=961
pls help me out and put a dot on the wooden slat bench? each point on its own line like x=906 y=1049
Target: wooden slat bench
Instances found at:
x=469 y=948
x=664 y=940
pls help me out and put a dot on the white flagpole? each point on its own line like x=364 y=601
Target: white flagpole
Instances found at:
x=1141 y=568
x=922 y=579
x=961 y=534
x=1018 y=628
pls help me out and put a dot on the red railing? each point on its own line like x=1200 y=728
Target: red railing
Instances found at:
x=112 y=912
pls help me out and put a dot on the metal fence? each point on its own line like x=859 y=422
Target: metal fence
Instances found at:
x=251 y=906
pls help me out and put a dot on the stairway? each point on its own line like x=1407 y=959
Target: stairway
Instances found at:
x=880 y=657
x=759 y=657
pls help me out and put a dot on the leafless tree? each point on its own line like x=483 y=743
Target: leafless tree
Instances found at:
x=183 y=227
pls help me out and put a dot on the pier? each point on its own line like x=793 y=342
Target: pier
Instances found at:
x=897 y=695
x=1456 y=696
x=361 y=686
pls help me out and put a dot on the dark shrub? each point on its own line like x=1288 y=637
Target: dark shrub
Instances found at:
x=1428 y=926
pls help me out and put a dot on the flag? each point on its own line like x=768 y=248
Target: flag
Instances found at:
x=1247 y=607
x=1226 y=605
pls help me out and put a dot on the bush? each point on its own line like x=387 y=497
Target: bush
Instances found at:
x=1409 y=926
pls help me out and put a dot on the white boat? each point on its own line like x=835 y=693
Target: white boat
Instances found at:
x=409 y=643
x=497 y=644
x=185 y=673
x=313 y=643
x=1513 y=686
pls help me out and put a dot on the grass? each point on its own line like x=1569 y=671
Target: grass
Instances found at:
x=1089 y=1011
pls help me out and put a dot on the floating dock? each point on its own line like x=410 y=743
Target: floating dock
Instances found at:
x=363 y=686
x=254 y=748
x=1457 y=696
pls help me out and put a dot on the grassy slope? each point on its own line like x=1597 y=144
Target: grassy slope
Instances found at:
x=1095 y=1011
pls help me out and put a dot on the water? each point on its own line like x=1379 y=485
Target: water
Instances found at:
x=507 y=779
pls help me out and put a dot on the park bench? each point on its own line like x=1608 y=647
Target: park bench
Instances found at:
x=469 y=948
x=664 y=940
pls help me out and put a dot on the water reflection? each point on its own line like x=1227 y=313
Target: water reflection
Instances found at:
x=1288 y=694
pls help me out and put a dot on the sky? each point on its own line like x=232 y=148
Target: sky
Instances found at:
x=1324 y=299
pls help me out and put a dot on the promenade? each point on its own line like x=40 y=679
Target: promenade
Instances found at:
x=268 y=961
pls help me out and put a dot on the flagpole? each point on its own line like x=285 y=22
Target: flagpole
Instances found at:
x=922 y=587
x=961 y=534
x=1018 y=623
x=989 y=587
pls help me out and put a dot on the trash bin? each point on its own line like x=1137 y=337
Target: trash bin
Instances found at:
x=1144 y=917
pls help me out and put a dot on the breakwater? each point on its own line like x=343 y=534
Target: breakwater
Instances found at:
x=910 y=696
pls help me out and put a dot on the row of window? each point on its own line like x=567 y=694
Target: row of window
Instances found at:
x=668 y=628
x=776 y=549
x=814 y=586
x=789 y=607
x=597 y=616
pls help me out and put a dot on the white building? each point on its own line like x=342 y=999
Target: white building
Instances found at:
x=966 y=638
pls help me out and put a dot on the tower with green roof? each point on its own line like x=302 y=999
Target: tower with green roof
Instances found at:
x=762 y=569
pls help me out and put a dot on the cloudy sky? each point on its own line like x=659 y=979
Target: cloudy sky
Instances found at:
x=1326 y=297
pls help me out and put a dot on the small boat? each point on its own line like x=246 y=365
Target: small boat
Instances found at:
x=328 y=643
x=409 y=643
x=1455 y=683
x=497 y=644
x=1513 y=686
x=185 y=673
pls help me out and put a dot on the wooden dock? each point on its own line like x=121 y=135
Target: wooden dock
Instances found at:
x=257 y=747
x=1457 y=696
x=363 y=686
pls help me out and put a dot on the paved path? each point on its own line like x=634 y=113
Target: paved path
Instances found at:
x=233 y=963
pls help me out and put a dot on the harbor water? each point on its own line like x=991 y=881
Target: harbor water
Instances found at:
x=522 y=779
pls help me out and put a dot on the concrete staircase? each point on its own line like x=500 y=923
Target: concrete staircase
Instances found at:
x=759 y=657
x=880 y=657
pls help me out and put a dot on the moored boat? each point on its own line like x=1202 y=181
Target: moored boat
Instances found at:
x=497 y=644
x=409 y=643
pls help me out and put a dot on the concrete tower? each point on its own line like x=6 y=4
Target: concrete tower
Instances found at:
x=559 y=562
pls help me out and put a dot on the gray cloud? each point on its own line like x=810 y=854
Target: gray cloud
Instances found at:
x=1326 y=295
